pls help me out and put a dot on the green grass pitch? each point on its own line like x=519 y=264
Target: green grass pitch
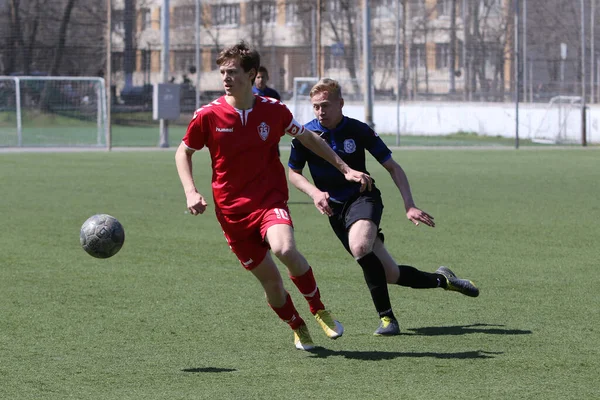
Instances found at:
x=174 y=316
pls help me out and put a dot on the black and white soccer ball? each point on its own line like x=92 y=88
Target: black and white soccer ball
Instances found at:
x=102 y=236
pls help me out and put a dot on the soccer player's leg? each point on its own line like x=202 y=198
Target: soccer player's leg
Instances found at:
x=360 y=238
x=456 y=284
x=280 y=301
x=244 y=239
x=360 y=219
x=406 y=275
x=279 y=233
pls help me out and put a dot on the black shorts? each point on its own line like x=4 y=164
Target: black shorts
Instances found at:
x=367 y=205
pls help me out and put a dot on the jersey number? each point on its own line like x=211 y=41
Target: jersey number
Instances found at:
x=281 y=213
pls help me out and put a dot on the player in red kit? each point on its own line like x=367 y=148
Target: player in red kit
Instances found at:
x=242 y=133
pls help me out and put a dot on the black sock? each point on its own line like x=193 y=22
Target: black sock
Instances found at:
x=412 y=277
x=377 y=284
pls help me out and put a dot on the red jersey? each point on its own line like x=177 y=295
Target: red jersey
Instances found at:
x=247 y=172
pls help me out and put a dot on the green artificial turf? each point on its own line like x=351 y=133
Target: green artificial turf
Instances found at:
x=174 y=316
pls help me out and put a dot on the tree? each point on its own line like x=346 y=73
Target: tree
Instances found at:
x=129 y=49
x=490 y=31
x=452 y=61
x=342 y=24
x=17 y=45
x=30 y=33
x=62 y=37
x=45 y=96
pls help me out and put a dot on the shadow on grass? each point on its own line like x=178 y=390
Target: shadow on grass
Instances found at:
x=321 y=352
x=208 y=369
x=490 y=329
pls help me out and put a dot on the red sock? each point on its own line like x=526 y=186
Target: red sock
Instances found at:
x=288 y=313
x=307 y=285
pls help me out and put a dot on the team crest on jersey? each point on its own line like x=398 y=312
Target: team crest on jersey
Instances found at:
x=263 y=130
x=349 y=146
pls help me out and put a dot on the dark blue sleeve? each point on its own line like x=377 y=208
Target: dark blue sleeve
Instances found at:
x=297 y=158
x=273 y=93
x=373 y=143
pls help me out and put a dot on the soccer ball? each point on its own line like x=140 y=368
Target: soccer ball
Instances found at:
x=102 y=236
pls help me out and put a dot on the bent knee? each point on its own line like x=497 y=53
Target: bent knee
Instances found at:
x=359 y=250
x=285 y=252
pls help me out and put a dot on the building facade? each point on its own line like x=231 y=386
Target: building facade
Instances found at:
x=445 y=47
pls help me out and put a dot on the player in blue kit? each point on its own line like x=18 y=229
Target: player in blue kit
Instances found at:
x=260 y=88
x=260 y=84
x=355 y=216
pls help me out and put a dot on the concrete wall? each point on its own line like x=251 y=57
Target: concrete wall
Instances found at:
x=488 y=119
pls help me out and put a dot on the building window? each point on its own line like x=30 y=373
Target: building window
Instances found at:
x=384 y=57
x=491 y=7
x=146 y=59
x=416 y=8
x=117 y=61
x=334 y=9
x=226 y=15
x=292 y=11
x=334 y=57
x=265 y=12
x=384 y=9
x=443 y=7
x=442 y=55
x=118 y=20
x=145 y=18
x=183 y=60
x=418 y=57
x=493 y=55
x=184 y=17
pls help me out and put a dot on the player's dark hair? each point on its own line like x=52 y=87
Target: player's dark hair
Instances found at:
x=327 y=85
x=263 y=69
x=249 y=58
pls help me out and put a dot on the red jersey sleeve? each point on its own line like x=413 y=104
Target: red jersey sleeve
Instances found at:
x=196 y=134
x=291 y=126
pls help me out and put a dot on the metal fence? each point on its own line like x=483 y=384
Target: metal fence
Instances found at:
x=437 y=52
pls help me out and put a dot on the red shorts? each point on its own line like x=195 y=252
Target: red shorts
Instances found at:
x=246 y=233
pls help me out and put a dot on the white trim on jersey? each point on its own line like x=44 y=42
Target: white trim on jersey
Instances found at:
x=188 y=147
x=265 y=99
x=243 y=114
x=294 y=129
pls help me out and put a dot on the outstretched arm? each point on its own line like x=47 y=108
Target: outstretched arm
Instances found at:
x=321 y=199
x=183 y=159
x=414 y=214
x=317 y=145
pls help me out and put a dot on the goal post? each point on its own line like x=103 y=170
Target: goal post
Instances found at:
x=561 y=122
x=53 y=111
x=352 y=91
x=300 y=97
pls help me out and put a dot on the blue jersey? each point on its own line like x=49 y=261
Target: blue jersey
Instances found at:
x=349 y=140
x=266 y=92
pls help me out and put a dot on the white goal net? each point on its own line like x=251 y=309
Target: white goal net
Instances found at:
x=561 y=122
x=52 y=111
x=300 y=102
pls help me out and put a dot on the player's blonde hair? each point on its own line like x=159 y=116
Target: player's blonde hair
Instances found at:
x=327 y=85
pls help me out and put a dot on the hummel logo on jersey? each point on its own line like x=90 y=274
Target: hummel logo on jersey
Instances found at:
x=246 y=263
x=224 y=129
